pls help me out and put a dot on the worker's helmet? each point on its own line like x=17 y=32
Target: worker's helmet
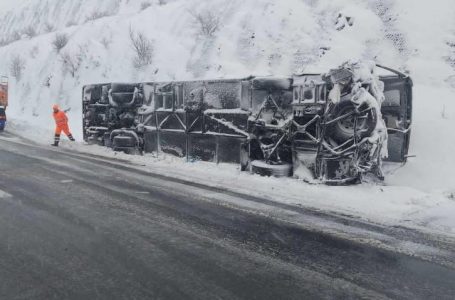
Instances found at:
x=55 y=107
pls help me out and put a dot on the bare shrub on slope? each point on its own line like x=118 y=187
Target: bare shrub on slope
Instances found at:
x=17 y=65
x=70 y=62
x=145 y=5
x=143 y=49
x=30 y=31
x=60 y=41
x=48 y=27
x=208 y=23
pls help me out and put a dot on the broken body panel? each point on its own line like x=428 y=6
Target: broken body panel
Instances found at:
x=272 y=126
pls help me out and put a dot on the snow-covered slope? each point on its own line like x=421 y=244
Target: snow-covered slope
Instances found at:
x=254 y=37
x=258 y=37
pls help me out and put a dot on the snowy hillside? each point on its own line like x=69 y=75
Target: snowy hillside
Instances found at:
x=215 y=39
x=250 y=37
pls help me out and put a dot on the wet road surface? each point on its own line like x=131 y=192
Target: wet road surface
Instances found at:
x=75 y=228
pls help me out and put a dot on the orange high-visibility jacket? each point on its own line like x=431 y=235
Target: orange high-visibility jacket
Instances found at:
x=60 y=118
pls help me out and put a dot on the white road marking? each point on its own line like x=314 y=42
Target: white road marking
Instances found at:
x=66 y=181
x=4 y=194
x=145 y=193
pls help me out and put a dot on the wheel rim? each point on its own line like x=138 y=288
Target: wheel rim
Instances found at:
x=346 y=125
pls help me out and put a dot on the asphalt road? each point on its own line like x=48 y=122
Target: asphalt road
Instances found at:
x=79 y=228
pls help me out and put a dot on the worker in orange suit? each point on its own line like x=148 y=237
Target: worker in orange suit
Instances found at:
x=61 y=122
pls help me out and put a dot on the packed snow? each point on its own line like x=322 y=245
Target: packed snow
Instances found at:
x=241 y=38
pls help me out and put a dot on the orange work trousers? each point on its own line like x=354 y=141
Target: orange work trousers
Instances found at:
x=62 y=127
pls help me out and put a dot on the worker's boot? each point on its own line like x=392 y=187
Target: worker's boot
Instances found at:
x=70 y=136
x=56 y=140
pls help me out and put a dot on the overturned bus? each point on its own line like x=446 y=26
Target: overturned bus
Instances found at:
x=334 y=127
